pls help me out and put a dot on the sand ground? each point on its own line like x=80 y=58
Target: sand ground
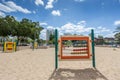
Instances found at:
x=39 y=65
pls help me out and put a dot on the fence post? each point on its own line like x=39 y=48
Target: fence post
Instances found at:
x=93 y=48
x=56 y=49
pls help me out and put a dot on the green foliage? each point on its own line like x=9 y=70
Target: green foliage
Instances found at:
x=68 y=43
x=100 y=40
x=6 y=25
x=117 y=35
x=51 y=39
x=117 y=38
x=22 y=29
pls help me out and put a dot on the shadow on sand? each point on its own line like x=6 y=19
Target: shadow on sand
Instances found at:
x=77 y=74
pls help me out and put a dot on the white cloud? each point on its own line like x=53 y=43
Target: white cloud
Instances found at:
x=101 y=29
x=49 y=4
x=82 y=23
x=5 y=8
x=15 y=7
x=117 y=23
x=69 y=28
x=39 y=2
x=12 y=7
x=80 y=28
x=75 y=28
x=56 y=13
x=43 y=24
x=2 y=14
x=79 y=0
x=43 y=34
x=110 y=35
x=50 y=27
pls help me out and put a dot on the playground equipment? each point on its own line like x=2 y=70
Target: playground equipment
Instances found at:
x=9 y=47
x=81 y=48
x=35 y=45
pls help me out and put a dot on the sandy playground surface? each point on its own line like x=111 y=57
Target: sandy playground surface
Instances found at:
x=39 y=65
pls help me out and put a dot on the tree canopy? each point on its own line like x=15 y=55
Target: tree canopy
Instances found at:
x=25 y=28
x=117 y=35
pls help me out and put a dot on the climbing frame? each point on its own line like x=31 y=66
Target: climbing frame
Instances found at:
x=9 y=46
x=79 y=48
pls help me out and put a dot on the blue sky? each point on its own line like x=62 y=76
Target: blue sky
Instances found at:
x=68 y=16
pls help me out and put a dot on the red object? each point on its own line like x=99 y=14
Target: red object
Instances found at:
x=85 y=38
x=80 y=49
x=9 y=48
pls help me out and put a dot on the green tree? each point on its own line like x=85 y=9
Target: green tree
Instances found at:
x=35 y=30
x=68 y=43
x=25 y=26
x=5 y=29
x=100 y=40
x=6 y=24
x=117 y=35
x=51 y=39
x=30 y=29
x=117 y=38
x=22 y=30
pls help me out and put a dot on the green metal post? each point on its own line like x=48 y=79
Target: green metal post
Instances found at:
x=56 y=49
x=93 y=48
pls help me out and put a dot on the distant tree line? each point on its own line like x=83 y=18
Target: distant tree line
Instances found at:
x=23 y=29
x=117 y=35
x=51 y=39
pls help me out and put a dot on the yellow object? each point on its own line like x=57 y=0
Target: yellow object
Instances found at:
x=9 y=46
x=35 y=45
